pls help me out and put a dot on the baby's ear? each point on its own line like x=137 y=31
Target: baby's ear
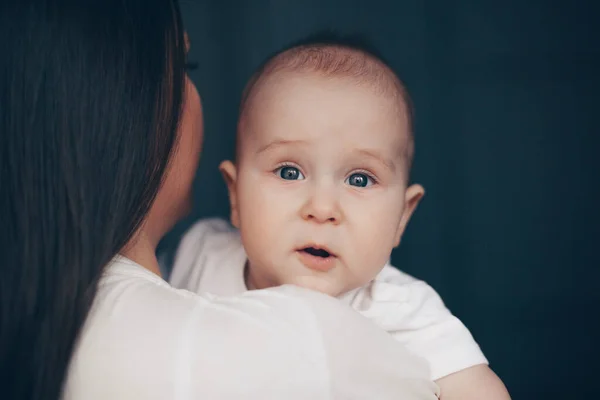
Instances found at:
x=412 y=197
x=229 y=172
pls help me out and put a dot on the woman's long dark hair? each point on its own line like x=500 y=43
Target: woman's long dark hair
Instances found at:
x=90 y=98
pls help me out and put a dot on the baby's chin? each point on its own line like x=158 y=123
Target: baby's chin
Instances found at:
x=319 y=284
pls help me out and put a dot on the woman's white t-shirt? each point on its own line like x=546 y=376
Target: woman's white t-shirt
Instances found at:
x=144 y=339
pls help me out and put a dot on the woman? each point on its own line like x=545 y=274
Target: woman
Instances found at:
x=97 y=160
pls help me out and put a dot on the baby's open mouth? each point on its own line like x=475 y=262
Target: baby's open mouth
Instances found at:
x=313 y=251
x=317 y=258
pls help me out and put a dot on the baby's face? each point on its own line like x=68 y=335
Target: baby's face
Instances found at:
x=320 y=193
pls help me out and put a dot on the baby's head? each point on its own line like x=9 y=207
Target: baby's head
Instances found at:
x=320 y=188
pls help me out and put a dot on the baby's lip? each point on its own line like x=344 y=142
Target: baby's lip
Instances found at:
x=317 y=247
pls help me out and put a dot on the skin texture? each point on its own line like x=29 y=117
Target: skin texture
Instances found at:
x=329 y=133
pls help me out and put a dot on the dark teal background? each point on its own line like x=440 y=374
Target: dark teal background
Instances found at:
x=506 y=98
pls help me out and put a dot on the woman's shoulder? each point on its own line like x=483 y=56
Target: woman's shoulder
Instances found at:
x=145 y=339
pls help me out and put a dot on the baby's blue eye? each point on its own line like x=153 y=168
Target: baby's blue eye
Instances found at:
x=359 y=180
x=289 y=173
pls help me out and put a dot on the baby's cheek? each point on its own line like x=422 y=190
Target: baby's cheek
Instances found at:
x=257 y=238
x=258 y=217
x=372 y=261
x=375 y=243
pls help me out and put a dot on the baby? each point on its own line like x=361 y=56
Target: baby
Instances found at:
x=320 y=195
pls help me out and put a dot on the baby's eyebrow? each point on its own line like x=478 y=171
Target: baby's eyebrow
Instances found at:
x=377 y=156
x=280 y=143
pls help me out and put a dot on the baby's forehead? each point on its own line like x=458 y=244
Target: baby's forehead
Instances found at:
x=352 y=65
x=317 y=111
x=293 y=92
x=286 y=84
x=347 y=66
x=307 y=94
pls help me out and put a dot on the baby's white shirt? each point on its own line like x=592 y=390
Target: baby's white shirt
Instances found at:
x=211 y=259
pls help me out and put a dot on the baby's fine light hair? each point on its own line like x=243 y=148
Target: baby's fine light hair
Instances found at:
x=331 y=55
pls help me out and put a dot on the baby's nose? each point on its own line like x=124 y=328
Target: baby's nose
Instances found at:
x=322 y=207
